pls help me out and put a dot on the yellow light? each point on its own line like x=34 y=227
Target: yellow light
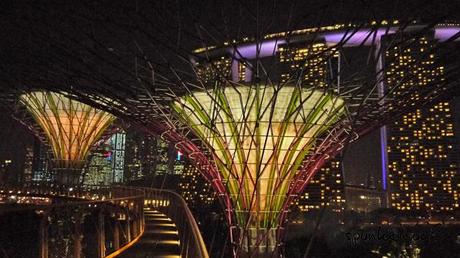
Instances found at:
x=71 y=127
x=259 y=138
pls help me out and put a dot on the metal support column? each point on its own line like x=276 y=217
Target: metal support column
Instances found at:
x=101 y=234
x=116 y=236
x=127 y=228
x=43 y=236
x=77 y=236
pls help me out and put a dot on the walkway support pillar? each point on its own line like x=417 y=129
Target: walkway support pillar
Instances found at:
x=127 y=227
x=43 y=236
x=101 y=234
x=116 y=236
x=77 y=236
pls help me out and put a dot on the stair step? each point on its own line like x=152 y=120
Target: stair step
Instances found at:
x=157 y=219
x=148 y=254
x=160 y=242
x=166 y=226
x=152 y=211
x=156 y=215
x=159 y=248
x=160 y=238
x=159 y=231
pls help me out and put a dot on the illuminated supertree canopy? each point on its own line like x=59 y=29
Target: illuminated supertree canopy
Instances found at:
x=258 y=96
x=259 y=137
x=71 y=128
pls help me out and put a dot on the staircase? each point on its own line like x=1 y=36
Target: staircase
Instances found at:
x=160 y=238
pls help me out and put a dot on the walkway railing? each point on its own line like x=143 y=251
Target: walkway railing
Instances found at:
x=175 y=207
x=90 y=221
x=98 y=222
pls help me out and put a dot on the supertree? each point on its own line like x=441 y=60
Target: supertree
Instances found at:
x=259 y=137
x=258 y=96
x=70 y=127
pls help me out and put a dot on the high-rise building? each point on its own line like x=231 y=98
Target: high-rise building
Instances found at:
x=325 y=189
x=99 y=170
x=117 y=156
x=194 y=188
x=165 y=158
x=179 y=163
x=306 y=56
x=40 y=165
x=422 y=149
x=5 y=170
x=107 y=162
x=140 y=153
x=363 y=199
x=218 y=68
x=148 y=156
x=28 y=164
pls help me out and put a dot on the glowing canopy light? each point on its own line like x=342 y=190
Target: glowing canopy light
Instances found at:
x=71 y=127
x=259 y=137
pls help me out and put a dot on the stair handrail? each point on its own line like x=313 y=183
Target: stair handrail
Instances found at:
x=175 y=207
x=109 y=201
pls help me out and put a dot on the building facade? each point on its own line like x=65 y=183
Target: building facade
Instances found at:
x=422 y=149
x=27 y=175
x=149 y=156
x=107 y=162
x=194 y=188
x=363 y=199
x=41 y=162
x=325 y=189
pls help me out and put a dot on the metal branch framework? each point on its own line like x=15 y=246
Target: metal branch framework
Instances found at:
x=259 y=137
x=258 y=110
x=71 y=127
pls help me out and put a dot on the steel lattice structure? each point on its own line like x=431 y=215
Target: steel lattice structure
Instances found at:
x=143 y=69
x=71 y=128
x=259 y=137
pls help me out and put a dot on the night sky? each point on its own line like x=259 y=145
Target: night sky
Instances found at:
x=14 y=139
x=225 y=20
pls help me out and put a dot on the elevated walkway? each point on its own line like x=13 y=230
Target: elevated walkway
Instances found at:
x=93 y=221
x=97 y=221
x=160 y=238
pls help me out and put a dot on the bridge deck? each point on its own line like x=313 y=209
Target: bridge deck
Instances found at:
x=160 y=238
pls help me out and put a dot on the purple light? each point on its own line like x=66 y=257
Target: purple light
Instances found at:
x=266 y=48
x=383 y=150
x=357 y=38
x=446 y=33
x=235 y=74
x=270 y=47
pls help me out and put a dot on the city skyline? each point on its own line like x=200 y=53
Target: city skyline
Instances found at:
x=231 y=129
x=353 y=171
